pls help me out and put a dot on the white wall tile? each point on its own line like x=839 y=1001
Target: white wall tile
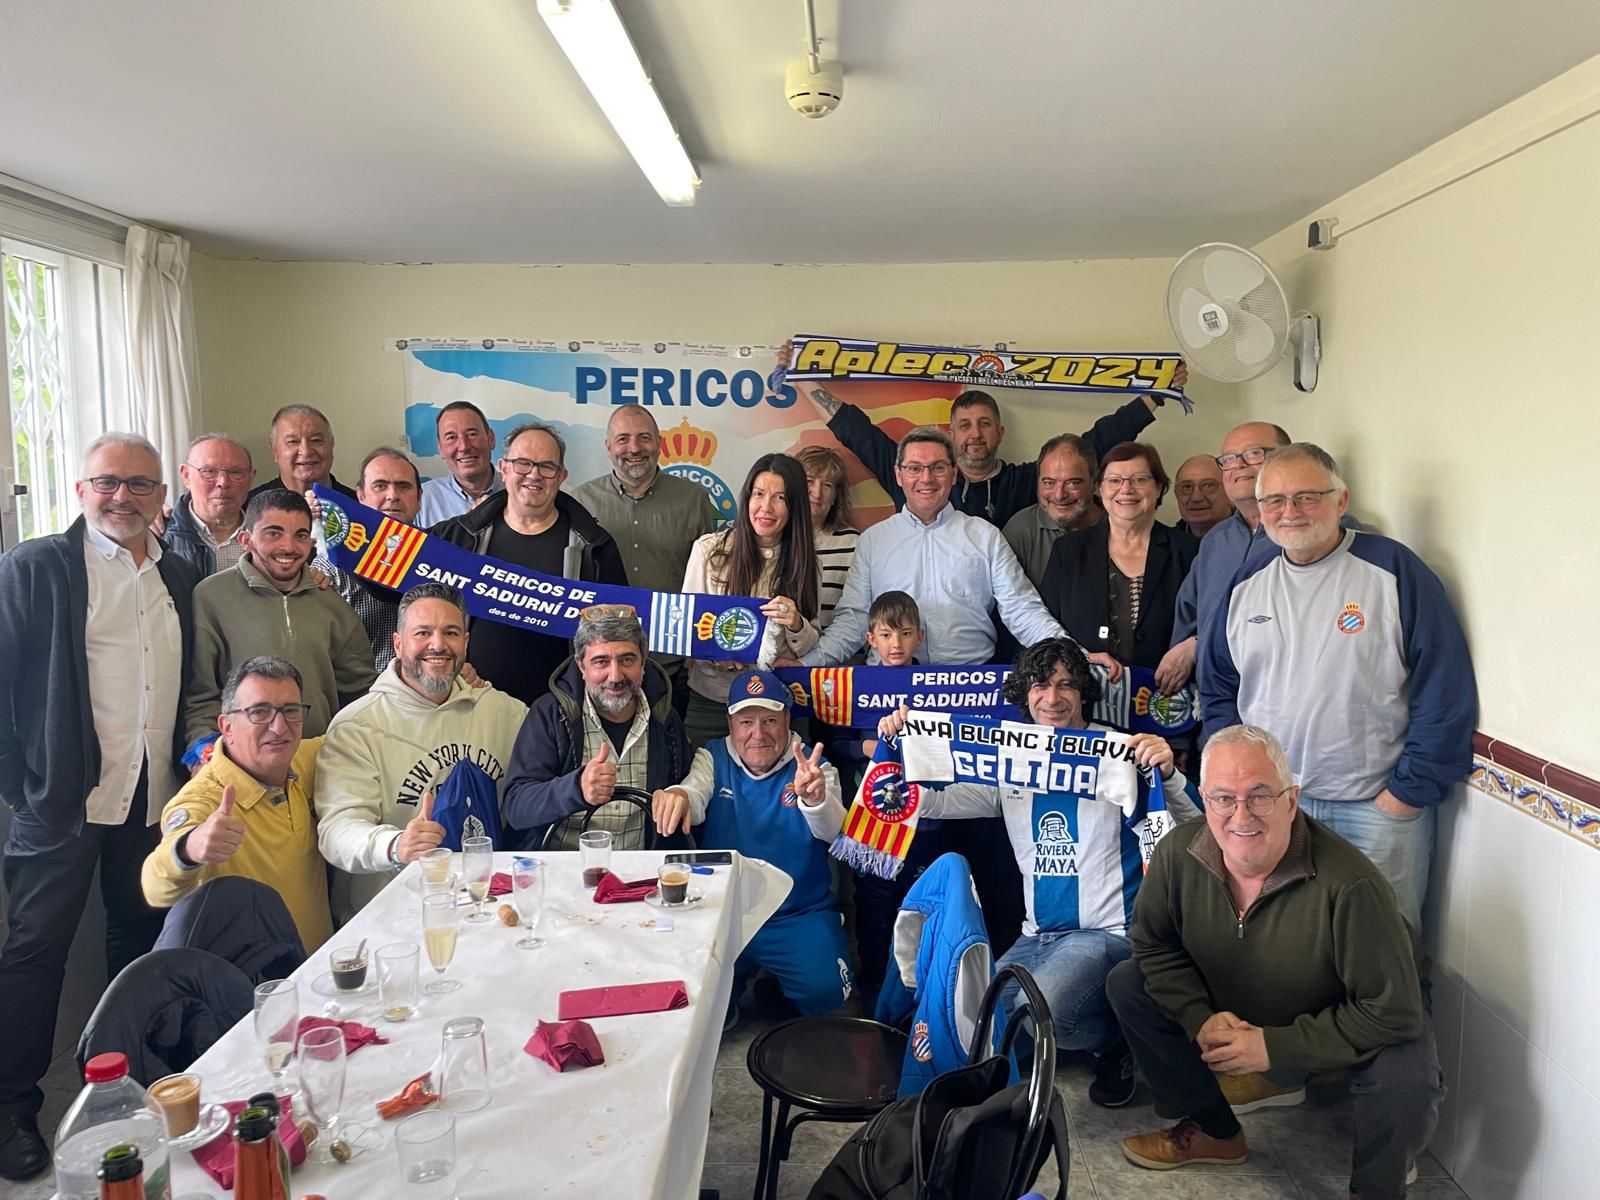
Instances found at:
x=1449 y=906
x=1514 y=961
x=1574 y=1034
x=1500 y=1116
x=1566 y=1142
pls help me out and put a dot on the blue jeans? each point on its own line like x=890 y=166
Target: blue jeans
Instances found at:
x=1070 y=968
x=1400 y=847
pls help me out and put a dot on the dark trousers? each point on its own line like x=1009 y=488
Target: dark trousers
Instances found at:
x=1397 y=1093
x=47 y=880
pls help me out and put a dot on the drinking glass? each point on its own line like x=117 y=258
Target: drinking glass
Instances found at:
x=322 y=1085
x=441 y=926
x=397 y=981
x=527 y=893
x=435 y=867
x=594 y=852
x=277 y=1021
x=464 y=1065
x=426 y=1144
x=477 y=869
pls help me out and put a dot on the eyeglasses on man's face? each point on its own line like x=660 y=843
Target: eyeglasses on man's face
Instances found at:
x=527 y=466
x=138 y=485
x=1250 y=456
x=933 y=470
x=212 y=474
x=1304 y=501
x=1258 y=802
x=262 y=714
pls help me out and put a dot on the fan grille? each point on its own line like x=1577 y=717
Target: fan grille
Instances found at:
x=1228 y=312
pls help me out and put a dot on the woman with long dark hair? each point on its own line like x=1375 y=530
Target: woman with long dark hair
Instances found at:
x=768 y=551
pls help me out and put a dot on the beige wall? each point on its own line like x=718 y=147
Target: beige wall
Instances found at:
x=1458 y=392
x=274 y=332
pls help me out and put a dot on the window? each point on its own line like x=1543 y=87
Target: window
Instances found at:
x=66 y=378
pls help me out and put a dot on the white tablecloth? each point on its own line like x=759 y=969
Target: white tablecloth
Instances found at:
x=635 y=1127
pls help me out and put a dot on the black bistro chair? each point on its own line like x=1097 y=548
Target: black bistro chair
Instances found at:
x=831 y=1069
x=639 y=825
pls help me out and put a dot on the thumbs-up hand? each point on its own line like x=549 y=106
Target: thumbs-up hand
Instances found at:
x=421 y=834
x=599 y=777
x=809 y=784
x=219 y=836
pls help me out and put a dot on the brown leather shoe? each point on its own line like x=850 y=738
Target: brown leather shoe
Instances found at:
x=1184 y=1145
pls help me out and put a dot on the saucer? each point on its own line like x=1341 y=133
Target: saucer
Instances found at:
x=323 y=985
x=654 y=900
x=213 y=1121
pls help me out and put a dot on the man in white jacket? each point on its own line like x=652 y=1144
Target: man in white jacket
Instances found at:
x=385 y=752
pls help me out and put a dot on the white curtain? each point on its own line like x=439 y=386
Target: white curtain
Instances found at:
x=162 y=370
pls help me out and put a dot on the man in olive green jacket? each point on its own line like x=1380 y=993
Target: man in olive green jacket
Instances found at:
x=1267 y=948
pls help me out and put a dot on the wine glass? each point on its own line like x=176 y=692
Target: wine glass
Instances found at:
x=477 y=868
x=322 y=1063
x=441 y=925
x=527 y=893
x=277 y=1021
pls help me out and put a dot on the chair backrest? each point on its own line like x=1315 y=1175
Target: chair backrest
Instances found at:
x=1031 y=1006
x=635 y=798
x=164 y=1010
x=241 y=920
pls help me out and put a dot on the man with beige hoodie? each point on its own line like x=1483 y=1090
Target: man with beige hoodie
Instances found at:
x=385 y=754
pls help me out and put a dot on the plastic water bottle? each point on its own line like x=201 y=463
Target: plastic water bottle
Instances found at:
x=111 y=1110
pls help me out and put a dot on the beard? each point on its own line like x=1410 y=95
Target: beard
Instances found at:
x=612 y=704
x=424 y=673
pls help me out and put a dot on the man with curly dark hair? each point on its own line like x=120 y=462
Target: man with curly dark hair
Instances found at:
x=1080 y=855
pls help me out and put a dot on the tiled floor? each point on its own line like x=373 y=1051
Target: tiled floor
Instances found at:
x=1295 y=1154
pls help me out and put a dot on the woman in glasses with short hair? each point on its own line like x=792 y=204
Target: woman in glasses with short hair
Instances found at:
x=1114 y=586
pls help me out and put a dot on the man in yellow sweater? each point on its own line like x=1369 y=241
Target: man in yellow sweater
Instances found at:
x=248 y=811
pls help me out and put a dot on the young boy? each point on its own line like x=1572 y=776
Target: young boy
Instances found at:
x=894 y=635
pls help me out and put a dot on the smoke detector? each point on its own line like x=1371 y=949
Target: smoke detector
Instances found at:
x=813 y=92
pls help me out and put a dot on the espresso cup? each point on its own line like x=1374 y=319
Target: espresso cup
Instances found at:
x=672 y=881
x=178 y=1097
x=349 y=969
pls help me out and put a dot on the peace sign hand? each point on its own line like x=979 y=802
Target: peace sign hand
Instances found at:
x=809 y=784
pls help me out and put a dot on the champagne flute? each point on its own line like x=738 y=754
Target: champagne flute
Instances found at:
x=527 y=893
x=322 y=1073
x=441 y=925
x=477 y=868
x=277 y=1022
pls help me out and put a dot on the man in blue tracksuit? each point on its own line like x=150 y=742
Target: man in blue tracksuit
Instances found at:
x=763 y=796
x=1344 y=646
x=1081 y=854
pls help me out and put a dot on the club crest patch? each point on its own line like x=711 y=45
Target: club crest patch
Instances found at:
x=176 y=820
x=754 y=685
x=887 y=795
x=788 y=797
x=1351 y=619
x=921 y=1044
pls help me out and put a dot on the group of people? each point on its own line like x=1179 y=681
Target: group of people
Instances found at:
x=197 y=693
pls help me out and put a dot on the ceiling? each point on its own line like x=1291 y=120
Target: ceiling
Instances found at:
x=411 y=131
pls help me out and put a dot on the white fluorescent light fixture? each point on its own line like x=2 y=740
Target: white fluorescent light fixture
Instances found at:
x=591 y=35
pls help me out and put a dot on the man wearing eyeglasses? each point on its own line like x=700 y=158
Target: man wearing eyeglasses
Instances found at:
x=1267 y=949
x=535 y=525
x=97 y=625
x=248 y=811
x=1202 y=497
x=1345 y=646
x=206 y=522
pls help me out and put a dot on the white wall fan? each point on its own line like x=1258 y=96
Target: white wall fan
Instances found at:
x=1232 y=319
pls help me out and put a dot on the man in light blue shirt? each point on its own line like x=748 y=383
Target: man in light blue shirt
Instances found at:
x=467 y=443
x=958 y=568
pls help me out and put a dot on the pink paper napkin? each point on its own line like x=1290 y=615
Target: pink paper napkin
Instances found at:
x=566 y=1045
x=356 y=1035
x=611 y=890
x=218 y=1157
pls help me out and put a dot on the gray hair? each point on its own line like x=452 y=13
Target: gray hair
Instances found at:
x=613 y=627
x=1249 y=735
x=930 y=434
x=133 y=441
x=385 y=452
x=1302 y=452
x=540 y=427
x=299 y=410
x=262 y=666
x=429 y=591
x=221 y=437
